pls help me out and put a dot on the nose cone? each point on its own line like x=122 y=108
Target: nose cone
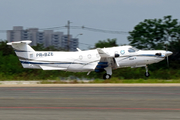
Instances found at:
x=168 y=53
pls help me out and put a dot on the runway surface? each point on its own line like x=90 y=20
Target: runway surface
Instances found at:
x=89 y=103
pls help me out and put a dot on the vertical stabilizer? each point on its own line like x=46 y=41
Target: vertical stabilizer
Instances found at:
x=22 y=49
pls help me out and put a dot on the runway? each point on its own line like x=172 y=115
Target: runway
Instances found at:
x=90 y=103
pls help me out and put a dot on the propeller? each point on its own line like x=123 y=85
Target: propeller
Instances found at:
x=167 y=58
x=167 y=54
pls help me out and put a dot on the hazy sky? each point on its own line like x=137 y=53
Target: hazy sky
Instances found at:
x=114 y=15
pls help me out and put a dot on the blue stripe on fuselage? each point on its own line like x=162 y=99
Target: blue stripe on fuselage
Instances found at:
x=25 y=62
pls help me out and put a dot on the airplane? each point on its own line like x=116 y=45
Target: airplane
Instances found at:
x=98 y=60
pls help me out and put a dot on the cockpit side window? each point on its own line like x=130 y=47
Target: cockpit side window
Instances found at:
x=131 y=50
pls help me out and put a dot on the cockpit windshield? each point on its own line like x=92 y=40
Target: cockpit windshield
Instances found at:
x=132 y=50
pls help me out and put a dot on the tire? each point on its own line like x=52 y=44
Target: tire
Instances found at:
x=147 y=74
x=106 y=76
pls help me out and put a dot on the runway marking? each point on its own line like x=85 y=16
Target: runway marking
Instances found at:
x=93 y=108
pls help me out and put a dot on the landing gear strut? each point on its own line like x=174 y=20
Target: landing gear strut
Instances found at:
x=108 y=73
x=147 y=73
x=106 y=76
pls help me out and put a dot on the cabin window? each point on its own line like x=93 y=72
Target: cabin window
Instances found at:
x=31 y=55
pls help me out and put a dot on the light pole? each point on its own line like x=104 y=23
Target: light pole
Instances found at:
x=78 y=35
x=68 y=35
x=77 y=39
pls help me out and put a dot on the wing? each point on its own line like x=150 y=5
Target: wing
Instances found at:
x=106 y=60
x=51 y=68
x=102 y=53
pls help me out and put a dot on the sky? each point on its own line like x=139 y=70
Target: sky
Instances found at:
x=113 y=15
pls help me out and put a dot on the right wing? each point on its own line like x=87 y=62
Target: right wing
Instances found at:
x=106 y=60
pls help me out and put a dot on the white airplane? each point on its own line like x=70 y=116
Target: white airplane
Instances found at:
x=98 y=60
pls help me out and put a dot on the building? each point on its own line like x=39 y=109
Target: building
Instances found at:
x=46 y=37
x=72 y=44
x=57 y=39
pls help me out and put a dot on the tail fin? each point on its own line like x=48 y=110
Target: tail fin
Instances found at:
x=22 y=49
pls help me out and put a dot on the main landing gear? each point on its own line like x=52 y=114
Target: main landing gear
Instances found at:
x=106 y=76
x=108 y=73
x=147 y=73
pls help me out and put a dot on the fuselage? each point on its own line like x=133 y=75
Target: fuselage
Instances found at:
x=98 y=60
x=88 y=60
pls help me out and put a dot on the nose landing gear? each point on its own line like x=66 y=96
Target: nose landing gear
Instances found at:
x=147 y=73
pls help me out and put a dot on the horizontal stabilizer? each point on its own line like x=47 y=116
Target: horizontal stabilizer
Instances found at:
x=21 y=46
x=25 y=42
x=51 y=68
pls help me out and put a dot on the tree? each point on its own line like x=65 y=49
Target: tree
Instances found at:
x=155 y=33
x=40 y=47
x=106 y=43
x=5 y=49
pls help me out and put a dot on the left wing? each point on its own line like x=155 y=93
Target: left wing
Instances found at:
x=51 y=68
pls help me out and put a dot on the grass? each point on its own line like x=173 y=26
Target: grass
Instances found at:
x=112 y=80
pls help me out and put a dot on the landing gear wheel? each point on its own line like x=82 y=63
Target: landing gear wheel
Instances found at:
x=106 y=76
x=147 y=74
